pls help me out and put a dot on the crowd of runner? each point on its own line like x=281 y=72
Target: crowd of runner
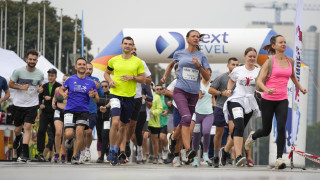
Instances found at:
x=195 y=120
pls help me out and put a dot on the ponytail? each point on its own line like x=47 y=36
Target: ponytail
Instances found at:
x=268 y=47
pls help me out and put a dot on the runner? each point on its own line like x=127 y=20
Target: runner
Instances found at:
x=242 y=105
x=192 y=63
x=219 y=89
x=128 y=70
x=27 y=82
x=275 y=97
x=80 y=88
x=59 y=104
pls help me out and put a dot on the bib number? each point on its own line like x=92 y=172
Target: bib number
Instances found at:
x=56 y=114
x=237 y=112
x=68 y=118
x=106 y=125
x=213 y=130
x=190 y=74
x=115 y=103
x=197 y=128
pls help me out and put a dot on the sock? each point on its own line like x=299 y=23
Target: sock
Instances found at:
x=216 y=153
x=139 y=148
x=116 y=149
x=111 y=148
x=25 y=150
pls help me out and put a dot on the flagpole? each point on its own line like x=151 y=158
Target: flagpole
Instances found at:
x=23 y=28
x=44 y=29
x=60 y=43
x=82 y=36
x=38 y=44
x=18 y=36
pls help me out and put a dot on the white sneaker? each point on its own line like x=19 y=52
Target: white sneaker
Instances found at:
x=165 y=153
x=195 y=162
x=82 y=157
x=139 y=155
x=87 y=155
x=176 y=162
x=249 y=142
x=280 y=164
x=160 y=161
x=183 y=155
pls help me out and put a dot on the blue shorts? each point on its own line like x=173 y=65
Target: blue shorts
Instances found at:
x=218 y=119
x=122 y=106
x=176 y=117
x=92 y=120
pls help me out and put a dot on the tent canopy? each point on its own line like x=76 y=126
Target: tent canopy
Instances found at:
x=44 y=65
x=9 y=62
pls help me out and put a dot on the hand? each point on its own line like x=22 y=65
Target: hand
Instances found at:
x=164 y=113
x=47 y=98
x=201 y=94
x=40 y=90
x=103 y=109
x=65 y=94
x=126 y=78
x=92 y=93
x=112 y=84
x=303 y=90
x=163 y=80
x=24 y=87
x=271 y=91
x=54 y=106
x=144 y=96
x=228 y=93
x=169 y=103
x=196 y=62
x=97 y=84
x=42 y=106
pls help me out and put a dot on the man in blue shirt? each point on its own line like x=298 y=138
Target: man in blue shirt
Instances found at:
x=4 y=87
x=92 y=113
x=80 y=88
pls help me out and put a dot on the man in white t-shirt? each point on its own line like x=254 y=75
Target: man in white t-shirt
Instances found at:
x=125 y=150
x=27 y=81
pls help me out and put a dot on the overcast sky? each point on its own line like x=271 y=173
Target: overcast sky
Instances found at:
x=104 y=19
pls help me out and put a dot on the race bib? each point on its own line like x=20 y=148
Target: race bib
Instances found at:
x=213 y=130
x=31 y=91
x=115 y=103
x=190 y=74
x=56 y=114
x=193 y=117
x=106 y=125
x=197 y=128
x=68 y=118
x=237 y=112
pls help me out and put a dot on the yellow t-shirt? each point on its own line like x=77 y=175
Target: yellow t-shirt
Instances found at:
x=120 y=66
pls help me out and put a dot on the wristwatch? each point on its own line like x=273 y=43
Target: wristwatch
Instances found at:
x=220 y=93
x=133 y=77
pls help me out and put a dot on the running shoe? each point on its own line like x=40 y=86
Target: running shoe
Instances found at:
x=216 y=162
x=63 y=158
x=240 y=160
x=128 y=150
x=206 y=159
x=170 y=158
x=230 y=161
x=22 y=159
x=172 y=143
x=224 y=156
x=56 y=157
x=160 y=161
x=144 y=158
x=74 y=160
x=183 y=155
x=249 y=142
x=165 y=154
x=122 y=157
x=250 y=163
x=176 y=162
x=99 y=160
x=40 y=157
x=82 y=157
x=114 y=158
x=280 y=164
x=195 y=162
x=110 y=156
x=17 y=141
x=87 y=155
x=139 y=157
x=190 y=154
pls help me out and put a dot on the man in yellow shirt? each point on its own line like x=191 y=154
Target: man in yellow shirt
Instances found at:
x=128 y=70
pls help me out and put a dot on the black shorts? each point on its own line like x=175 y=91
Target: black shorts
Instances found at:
x=76 y=118
x=136 y=110
x=145 y=127
x=121 y=106
x=164 y=130
x=25 y=115
x=154 y=130
x=58 y=115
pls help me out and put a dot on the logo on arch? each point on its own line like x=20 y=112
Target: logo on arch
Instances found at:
x=162 y=44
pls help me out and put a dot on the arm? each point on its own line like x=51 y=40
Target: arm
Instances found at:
x=229 y=87
x=204 y=72
x=112 y=84
x=13 y=85
x=6 y=96
x=169 y=93
x=62 y=92
x=166 y=72
x=148 y=80
x=54 y=99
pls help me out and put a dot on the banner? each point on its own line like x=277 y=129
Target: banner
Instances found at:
x=297 y=52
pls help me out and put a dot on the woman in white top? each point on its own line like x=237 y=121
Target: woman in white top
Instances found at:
x=241 y=104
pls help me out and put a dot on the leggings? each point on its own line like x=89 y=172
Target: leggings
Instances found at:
x=240 y=119
x=280 y=109
x=203 y=126
x=139 y=127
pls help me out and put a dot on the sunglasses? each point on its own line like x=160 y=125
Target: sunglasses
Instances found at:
x=159 y=89
x=105 y=86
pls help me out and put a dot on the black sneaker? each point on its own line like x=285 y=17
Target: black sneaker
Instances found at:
x=240 y=160
x=224 y=156
x=99 y=160
x=122 y=157
x=40 y=158
x=172 y=144
x=128 y=150
x=17 y=142
x=190 y=154
x=216 y=162
x=22 y=159
x=74 y=160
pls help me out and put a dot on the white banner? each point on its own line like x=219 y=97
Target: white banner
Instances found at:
x=297 y=53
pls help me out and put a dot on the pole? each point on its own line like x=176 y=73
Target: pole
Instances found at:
x=44 y=29
x=39 y=18
x=82 y=37
x=60 y=43
x=1 y=27
x=75 y=40
x=55 y=55
x=23 y=27
x=67 y=63
x=5 y=25
x=18 y=36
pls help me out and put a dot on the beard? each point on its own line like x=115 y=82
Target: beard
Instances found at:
x=31 y=65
